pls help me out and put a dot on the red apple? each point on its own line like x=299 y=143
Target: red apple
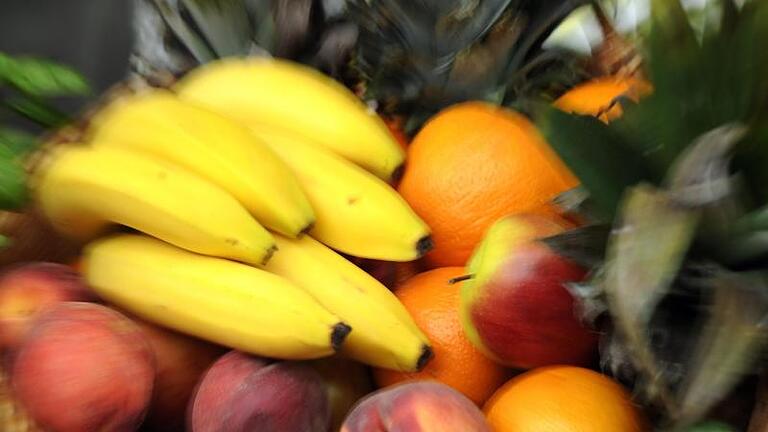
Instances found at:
x=421 y=406
x=516 y=308
x=27 y=289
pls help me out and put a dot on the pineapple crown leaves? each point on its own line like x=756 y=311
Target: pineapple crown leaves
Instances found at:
x=174 y=36
x=678 y=183
x=420 y=56
x=26 y=86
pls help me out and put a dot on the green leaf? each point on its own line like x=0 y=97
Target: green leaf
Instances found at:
x=700 y=176
x=223 y=23
x=42 y=78
x=697 y=86
x=584 y=245
x=191 y=40
x=595 y=154
x=16 y=141
x=730 y=343
x=645 y=253
x=4 y=241
x=37 y=111
x=12 y=184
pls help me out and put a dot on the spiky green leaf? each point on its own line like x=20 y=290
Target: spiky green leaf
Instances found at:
x=730 y=342
x=40 y=77
x=594 y=152
x=645 y=253
x=223 y=24
x=12 y=183
x=16 y=141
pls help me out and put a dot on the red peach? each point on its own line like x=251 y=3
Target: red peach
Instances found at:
x=27 y=289
x=346 y=382
x=181 y=361
x=241 y=393
x=84 y=367
x=421 y=406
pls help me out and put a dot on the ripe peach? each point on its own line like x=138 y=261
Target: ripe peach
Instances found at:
x=346 y=382
x=181 y=361
x=241 y=393
x=84 y=367
x=516 y=308
x=27 y=289
x=421 y=406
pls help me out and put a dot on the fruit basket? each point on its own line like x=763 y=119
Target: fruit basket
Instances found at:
x=433 y=217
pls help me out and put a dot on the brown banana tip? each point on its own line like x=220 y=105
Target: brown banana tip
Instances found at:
x=306 y=229
x=271 y=251
x=424 y=245
x=339 y=334
x=397 y=173
x=425 y=357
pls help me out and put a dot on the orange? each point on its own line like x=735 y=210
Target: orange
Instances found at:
x=597 y=97
x=562 y=399
x=434 y=304
x=470 y=165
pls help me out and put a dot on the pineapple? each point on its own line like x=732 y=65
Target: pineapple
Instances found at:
x=678 y=204
x=174 y=36
x=416 y=57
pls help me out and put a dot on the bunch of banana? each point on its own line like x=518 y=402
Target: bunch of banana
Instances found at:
x=325 y=134
x=222 y=301
x=160 y=125
x=248 y=176
x=384 y=334
x=82 y=190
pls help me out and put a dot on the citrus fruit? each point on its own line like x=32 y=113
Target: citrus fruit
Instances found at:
x=470 y=165
x=434 y=304
x=597 y=97
x=562 y=399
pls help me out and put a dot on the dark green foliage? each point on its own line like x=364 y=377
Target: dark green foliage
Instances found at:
x=26 y=86
x=681 y=177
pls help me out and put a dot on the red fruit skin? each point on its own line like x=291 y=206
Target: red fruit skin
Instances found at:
x=525 y=316
x=84 y=367
x=421 y=406
x=28 y=289
x=240 y=393
x=180 y=363
x=365 y=416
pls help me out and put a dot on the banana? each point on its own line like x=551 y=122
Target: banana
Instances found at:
x=285 y=95
x=158 y=124
x=357 y=213
x=384 y=333
x=225 y=302
x=83 y=190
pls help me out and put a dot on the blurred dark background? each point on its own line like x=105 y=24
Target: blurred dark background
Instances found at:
x=92 y=36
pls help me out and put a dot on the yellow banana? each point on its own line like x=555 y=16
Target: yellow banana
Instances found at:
x=285 y=95
x=384 y=334
x=159 y=124
x=83 y=190
x=356 y=212
x=225 y=302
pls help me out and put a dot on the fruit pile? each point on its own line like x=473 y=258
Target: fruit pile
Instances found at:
x=243 y=265
x=217 y=288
